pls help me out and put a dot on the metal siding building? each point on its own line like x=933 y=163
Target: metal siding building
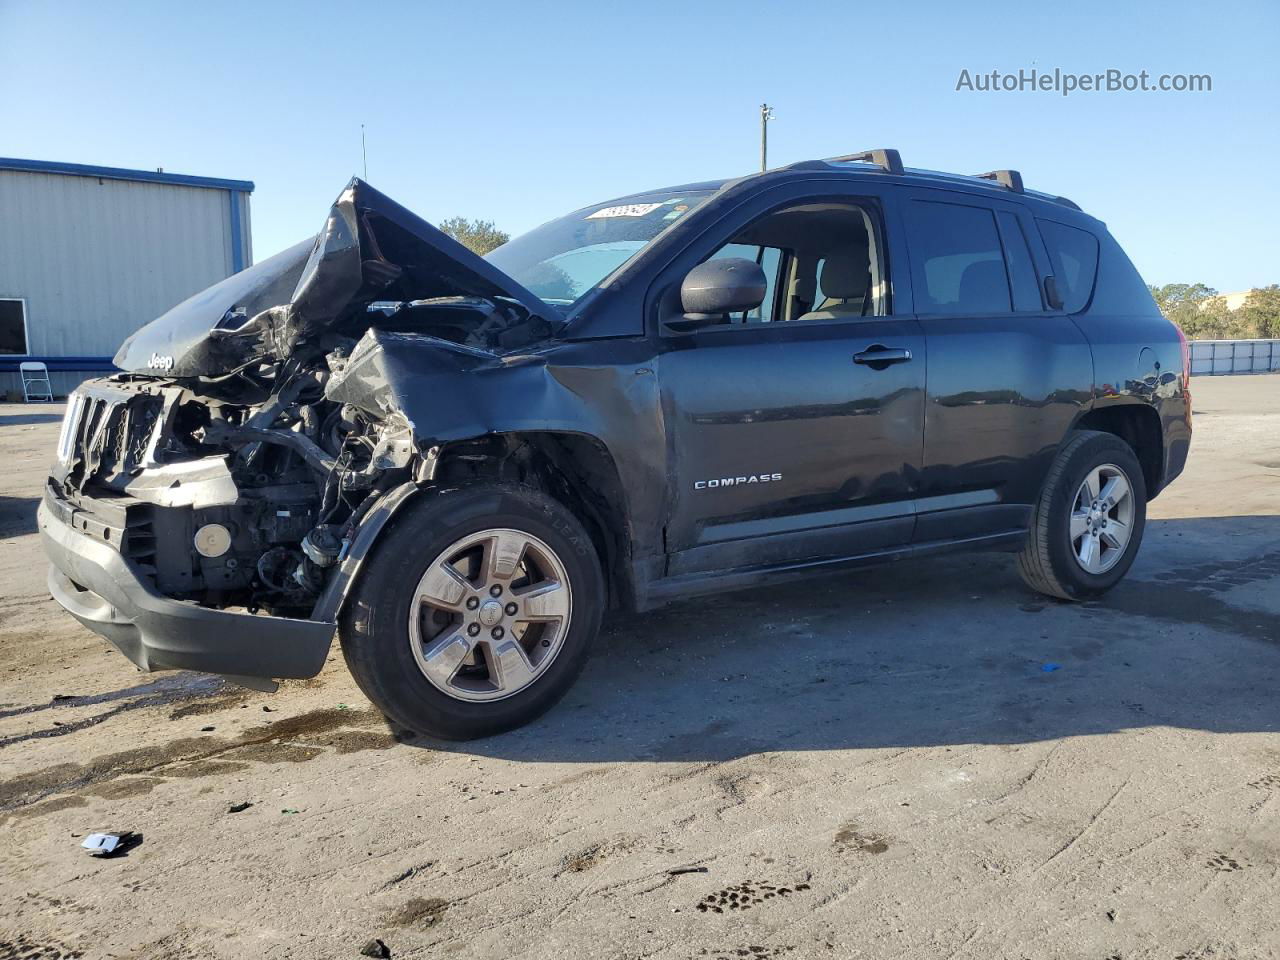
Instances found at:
x=93 y=253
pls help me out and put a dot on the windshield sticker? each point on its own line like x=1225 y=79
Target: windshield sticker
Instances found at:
x=624 y=210
x=677 y=212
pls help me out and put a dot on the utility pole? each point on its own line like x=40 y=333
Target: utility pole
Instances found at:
x=364 y=154
x=766 y=114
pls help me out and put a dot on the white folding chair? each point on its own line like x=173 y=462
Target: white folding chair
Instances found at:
x=35 y=381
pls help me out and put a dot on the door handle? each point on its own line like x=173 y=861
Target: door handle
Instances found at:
x=879 y=356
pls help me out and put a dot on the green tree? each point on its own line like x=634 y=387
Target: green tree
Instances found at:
x=1195 y=307
x=1214 y=321
x=550 y=282
x=480 y=236
x=1174 y=298
x=1203 y=315
x=1261 y=311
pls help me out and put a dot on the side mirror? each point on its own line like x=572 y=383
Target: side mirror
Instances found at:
x=718 y=287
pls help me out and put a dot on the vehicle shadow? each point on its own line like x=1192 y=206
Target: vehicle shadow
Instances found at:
x=18 y=515
x=950 y=650
x=24 y=419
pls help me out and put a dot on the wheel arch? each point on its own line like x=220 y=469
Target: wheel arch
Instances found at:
x=1138 y=425
x=575 y=469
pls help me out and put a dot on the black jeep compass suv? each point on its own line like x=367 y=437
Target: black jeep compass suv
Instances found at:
x=458 y=464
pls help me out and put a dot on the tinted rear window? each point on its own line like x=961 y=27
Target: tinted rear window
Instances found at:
x=957 y=259
x=1074 y=255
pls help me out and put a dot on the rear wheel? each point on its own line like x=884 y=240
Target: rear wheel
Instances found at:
x=476 y=612
x=1088 y=524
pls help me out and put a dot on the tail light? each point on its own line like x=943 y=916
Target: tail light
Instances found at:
x=1186 y=368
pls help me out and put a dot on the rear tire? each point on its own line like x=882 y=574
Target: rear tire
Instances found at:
x=475 y=613
x=1088 y=523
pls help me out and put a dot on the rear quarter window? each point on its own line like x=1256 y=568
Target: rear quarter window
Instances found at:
x=1074 y=255
x=1120 y=289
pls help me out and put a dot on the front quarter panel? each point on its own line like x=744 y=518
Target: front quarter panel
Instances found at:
x=605 y=389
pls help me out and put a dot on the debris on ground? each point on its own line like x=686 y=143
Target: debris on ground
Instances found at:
x=110 y=844
x=375 y=948
x=101 y=844
x=239 y=807
x=676 y=871
x=288 y=810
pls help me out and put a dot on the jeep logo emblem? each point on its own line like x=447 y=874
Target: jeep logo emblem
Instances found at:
x=159 y=361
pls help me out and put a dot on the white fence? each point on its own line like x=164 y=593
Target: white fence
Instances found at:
x=1210 y=357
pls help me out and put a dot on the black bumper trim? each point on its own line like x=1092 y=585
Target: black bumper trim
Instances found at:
x=102 y=590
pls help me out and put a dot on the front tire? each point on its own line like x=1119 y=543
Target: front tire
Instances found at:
x=476 y=612
x=1088 y=523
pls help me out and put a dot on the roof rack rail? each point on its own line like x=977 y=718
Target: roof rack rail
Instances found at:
x=888 y=159
x=1010 y=179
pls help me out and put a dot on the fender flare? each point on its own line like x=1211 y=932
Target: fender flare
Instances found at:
x=375 y=521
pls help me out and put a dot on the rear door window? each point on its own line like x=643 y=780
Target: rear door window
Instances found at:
x=1074 y=255
x=958 y=263
x=1022 y=272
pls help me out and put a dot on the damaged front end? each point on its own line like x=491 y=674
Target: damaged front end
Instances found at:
x=252 y=474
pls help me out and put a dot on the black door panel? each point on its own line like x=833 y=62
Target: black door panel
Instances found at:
x=1003 y=391
x=779 y=423
x=782 y=447
x=1006 y=377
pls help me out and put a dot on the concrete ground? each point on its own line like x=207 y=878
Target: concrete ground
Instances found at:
x=925 y=760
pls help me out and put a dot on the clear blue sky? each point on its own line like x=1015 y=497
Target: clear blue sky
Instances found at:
x=517 y=111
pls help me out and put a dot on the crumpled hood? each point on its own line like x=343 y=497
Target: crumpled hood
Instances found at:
x=370 y=248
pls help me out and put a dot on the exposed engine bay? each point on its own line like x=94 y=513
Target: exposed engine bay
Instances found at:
x=258 y=422
x=230 y=503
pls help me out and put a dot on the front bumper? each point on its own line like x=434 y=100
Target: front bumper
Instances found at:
x=101 y=589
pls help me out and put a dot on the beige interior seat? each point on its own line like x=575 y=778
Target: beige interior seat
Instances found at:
x=843 y=280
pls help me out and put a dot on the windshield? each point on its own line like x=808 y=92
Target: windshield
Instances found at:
x=564 y=259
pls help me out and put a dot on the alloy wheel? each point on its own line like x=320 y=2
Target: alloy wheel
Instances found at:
x=490 y=614
x=1102 y=519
